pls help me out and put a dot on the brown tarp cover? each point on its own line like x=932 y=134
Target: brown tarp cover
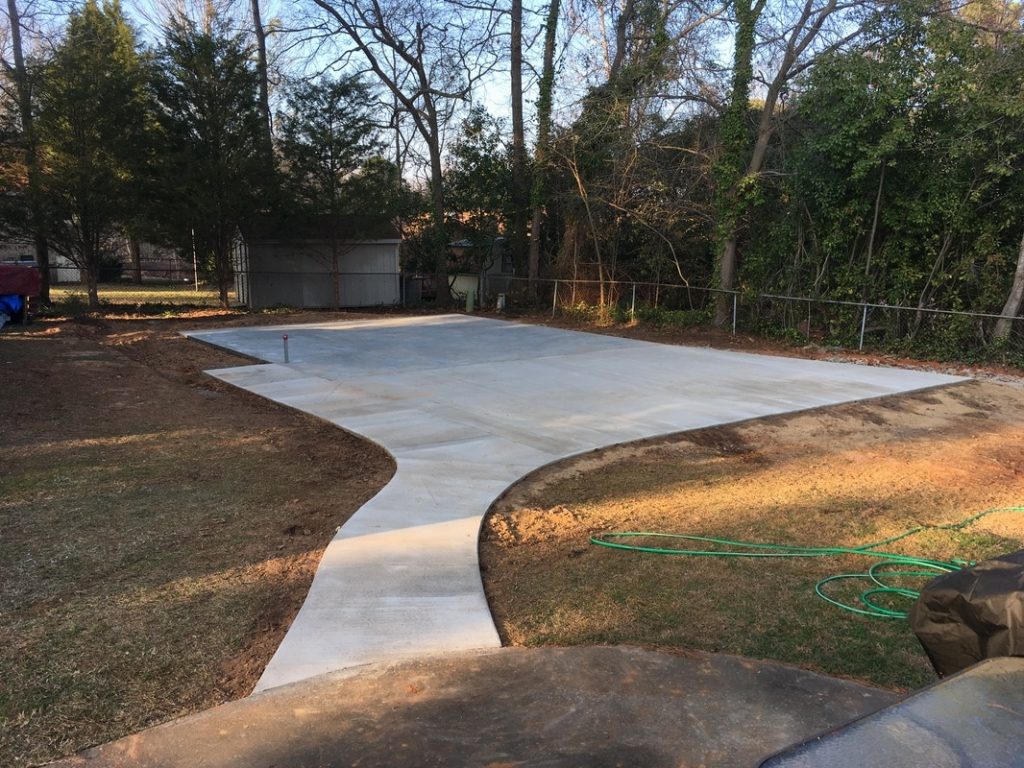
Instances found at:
x=972 y=614
x=19 y=280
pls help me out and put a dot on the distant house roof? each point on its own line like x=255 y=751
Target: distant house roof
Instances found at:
x=319 y=228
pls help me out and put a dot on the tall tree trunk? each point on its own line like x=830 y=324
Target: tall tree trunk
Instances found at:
x=24 y=97
x=1013 y=302
x=92 y=287
x=439 y=240
x=262 y=71
x=544 y=102
x=742 y=164
x=520 y=193
x=874 y=231
x=90 y=270
x=223 y=268
x=733 y=163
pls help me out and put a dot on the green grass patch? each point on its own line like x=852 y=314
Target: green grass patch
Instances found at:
x=73 y=298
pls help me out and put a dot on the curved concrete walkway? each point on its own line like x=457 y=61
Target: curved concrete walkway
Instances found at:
x=467 y=406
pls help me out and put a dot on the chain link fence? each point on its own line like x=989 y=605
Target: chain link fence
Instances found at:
x=928 y=331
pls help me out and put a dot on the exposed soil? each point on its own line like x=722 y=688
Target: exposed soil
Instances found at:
x=844 y=475
x=160 y=529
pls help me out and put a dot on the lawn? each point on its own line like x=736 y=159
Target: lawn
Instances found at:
x=159 y=529
x=120 y=294
x=847 y=475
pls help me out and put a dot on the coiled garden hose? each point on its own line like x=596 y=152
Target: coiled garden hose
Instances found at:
x=876 y=574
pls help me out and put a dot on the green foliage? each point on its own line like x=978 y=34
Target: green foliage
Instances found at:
x=377 y=189
x=898 y=179
x=327 y=135
x=215 y=172
x=478 y=181
x=92 y=125
x=660 y=317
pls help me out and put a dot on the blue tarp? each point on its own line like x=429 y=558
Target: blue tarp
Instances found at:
x=11 y=304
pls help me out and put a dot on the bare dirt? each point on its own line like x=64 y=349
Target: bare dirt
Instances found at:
x=160 y=529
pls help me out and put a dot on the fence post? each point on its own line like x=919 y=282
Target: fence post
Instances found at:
x=734 y=314
x=554 y=300
x=632 y=309
x=863 y=326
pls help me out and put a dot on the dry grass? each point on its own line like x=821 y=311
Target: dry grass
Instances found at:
x=158 y=530
x=145 y=293
x=847 y=476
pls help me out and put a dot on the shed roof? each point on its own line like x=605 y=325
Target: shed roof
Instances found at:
x=319 y=228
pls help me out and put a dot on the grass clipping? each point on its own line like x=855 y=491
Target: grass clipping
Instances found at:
x=843 y=476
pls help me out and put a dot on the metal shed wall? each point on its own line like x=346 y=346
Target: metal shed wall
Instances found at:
x=299 y=275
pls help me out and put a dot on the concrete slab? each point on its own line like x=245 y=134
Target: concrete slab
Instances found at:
x=548 y=708
x=467 y=406
x=972 y=720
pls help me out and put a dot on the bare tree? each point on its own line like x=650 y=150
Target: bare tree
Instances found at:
x=23 y=96
x=612 y=152
x=260 y=33
x=429 y=54
x=520 y=192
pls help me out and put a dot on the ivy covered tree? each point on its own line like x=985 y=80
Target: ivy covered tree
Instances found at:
x=214 y=168
x=92 y=131
x=903 y=180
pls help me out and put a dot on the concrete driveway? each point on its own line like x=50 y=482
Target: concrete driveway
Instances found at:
x=467 y=406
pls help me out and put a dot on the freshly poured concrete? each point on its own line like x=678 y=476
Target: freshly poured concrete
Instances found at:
x=971 y=720
x=467 y=406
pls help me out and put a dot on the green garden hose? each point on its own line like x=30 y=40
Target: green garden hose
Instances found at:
x=917 y=567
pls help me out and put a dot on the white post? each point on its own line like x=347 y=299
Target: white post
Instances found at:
x=554 y=300
x=632 y=309
x=285 y=340
x=195 y=263
x=734 y=314
x=863 y=326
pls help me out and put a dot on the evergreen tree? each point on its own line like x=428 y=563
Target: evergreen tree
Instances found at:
x=326 y=134
x=479 y=180
x=92 y=131
x=215 y=170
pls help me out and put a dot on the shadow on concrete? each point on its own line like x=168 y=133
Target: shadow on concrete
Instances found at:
x=513 y=707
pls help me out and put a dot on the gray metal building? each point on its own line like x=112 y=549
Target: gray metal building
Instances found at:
x=297 y=262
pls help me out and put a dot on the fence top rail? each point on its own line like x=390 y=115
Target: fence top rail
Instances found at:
x=897 y=307
x=781 y=297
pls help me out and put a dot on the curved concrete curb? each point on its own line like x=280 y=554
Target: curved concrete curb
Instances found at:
x=468 y=406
